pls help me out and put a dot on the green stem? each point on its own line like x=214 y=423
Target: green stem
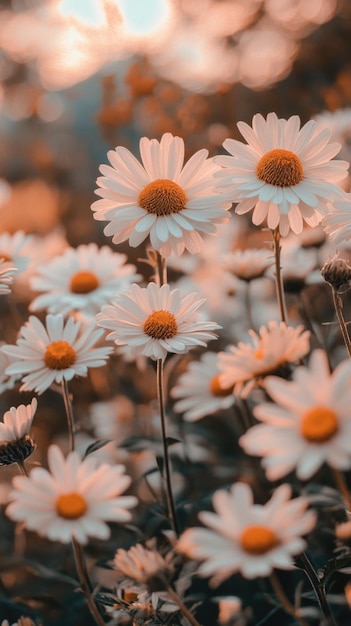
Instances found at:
x=85 y=582
x=338 y=309
x=69 y=413
x=286 y=604
x=190 y=617
x=319 y=590
x=278 y=275
x=166 y=460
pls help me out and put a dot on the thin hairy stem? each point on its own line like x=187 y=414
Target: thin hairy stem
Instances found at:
x=190 y=617
x=342 y=486
x=319 y=590
x=286 y=604
x=161 y=269
x=166 y=460
x=85 y=582
x=338 y=309
x=69 y=413
x=22 y=468
x=278 y=275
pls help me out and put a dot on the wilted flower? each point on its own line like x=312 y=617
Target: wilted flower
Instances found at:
x=144 y=566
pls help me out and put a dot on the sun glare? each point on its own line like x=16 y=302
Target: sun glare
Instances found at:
x=89 y=12
x=143 y=18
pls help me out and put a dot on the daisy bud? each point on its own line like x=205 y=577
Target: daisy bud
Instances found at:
x=336 y=272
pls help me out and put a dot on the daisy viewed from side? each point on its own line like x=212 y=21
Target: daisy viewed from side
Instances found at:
x=54 y=352
x=156 y=320
x=307 y=424
x=274 y=346
x=248 y=264
x=82 y=279
x=198 y=392
x=249 y=538
x=161 y=198
x=7 y=273
x=337 y=222
x=74 y=499
x=14 y=249
x=16 y=443
x=284 y=173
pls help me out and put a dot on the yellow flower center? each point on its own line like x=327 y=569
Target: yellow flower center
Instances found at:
x=217 y=389
x=59 y=355
x=161 y=325
x=258 y=539
x=319 y=424
x=162 y=197
x=83 y=282
x=280 y=167
x=258 y=354
x=71 y=505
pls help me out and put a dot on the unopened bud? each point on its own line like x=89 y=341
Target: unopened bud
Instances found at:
x=336 y=272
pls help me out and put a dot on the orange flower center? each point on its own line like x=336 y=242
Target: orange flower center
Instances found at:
x=5 y=257
x=258 y=354
x=161 y=325
x=162 y=197
x=83 y=282
x=319 y=424
x=258 y=539
x=280 y=167
x=71 y=505
x=217 y=389
x=59 y=355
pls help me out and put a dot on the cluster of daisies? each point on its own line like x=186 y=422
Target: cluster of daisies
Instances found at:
x=281 y=383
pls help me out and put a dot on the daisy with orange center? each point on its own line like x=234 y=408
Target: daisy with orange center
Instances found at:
x=82 y=279
x=55 y=352
x=161 y=198
x=274 y=346
x=153 y=321
x=309 y=423
x=198 y=391
x=284 y=173
x=73 y=500
x=248 y=538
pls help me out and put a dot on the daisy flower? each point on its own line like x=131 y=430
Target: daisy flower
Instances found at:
x=274 y=346
x=15 y=441
x=308 y=424
x=172 y=203
x=249 y=538
x=72 y=500
x=6 y=276
x=156 y=320
x=337 y=222
x=144 y=566
x=14 y=249
x=284 y=173
x=248 y=264
x=82 y=279
x=198 y=392
x=55 y=352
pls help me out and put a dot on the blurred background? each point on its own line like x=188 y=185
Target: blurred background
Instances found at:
x=78 y=77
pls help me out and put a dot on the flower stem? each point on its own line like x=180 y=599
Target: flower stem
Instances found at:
x=69 y=413
x=85 y=582
x=22 y=468
x=319 y=590
x=166 y=461
x=338 y=309
x=286 y=604
x=342 y=486
x=278 y=275
x=161 y=269
x=174 y=596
